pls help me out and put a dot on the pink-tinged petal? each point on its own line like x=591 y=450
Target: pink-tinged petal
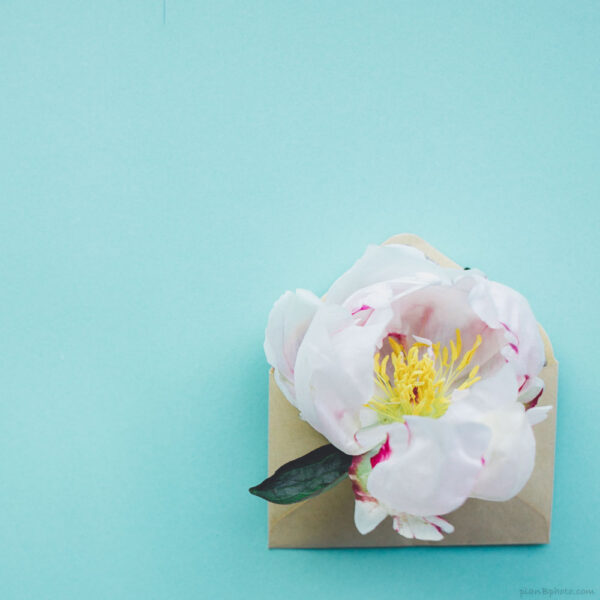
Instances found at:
x=442 y=524
x=367 y=515
x=334 y=372
x=434 y=312
x=358 y=473
x=533 y=402
x=375 y=435
x=363 y=308
x=288 y=322
x=530 y=396
x=383 y=453
x=504 y=309
x=433 y=470
x=401 y=526
x=421 y=528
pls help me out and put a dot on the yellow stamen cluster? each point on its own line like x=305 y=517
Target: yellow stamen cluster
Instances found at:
x=422 y=379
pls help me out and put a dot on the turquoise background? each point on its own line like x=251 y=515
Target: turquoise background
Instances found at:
x=167 y=174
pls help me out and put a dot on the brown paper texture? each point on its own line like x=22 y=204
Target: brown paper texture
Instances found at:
x=327 y=521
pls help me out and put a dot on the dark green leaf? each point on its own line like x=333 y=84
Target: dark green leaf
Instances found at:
x=305 y=477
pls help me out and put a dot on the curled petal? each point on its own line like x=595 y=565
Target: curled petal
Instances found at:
x=334 y=373
x=504 y=309
x=537 y=414
x=433 y=469
x=421 y=528
x=288 y=321
x=375 y=435
x=384 y=263
x=531 y=395
x=434 y=312
x=368 y=514
x=510 y=456
x=491 y=393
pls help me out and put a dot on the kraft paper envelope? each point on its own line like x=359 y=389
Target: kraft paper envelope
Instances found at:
x=327 y=521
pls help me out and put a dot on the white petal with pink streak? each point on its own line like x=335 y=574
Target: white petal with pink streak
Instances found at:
x=432 y=470
x=421 y=528
x=502 y=308
x=334 y=373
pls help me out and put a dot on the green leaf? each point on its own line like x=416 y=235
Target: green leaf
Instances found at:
x=305 y=477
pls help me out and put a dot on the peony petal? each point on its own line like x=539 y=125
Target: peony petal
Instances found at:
x=434 y=313
x=370 y=437
x=402 y=526
x=433 y=469
x=288 y=321
x=421 y=528
x=491 y=393
x=385 y=263
x=510 y=457
x=537 y=414
x=334 y=373
x=442 y=524
x=502 y=308
x=367 y=515
x=530 y=396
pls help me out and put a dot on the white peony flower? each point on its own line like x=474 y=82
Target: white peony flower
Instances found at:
x=427 y=375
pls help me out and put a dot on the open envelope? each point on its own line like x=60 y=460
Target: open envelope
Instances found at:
x=327 y=521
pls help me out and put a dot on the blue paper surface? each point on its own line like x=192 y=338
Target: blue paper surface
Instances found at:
x=169 y=169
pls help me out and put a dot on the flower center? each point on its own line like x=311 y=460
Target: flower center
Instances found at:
x=420 y=381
